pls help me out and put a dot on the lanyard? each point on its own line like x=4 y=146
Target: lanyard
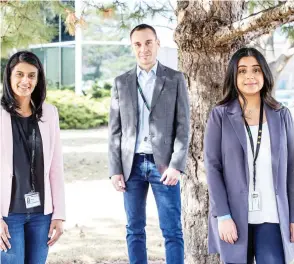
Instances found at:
x=258 y=142
x=143 y=97
x=33 y=175
x=33 y=152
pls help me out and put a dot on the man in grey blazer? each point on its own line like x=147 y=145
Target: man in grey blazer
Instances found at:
x=148 y=144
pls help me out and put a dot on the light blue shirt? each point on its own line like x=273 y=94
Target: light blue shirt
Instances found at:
x=147 y=84
x=224 y=217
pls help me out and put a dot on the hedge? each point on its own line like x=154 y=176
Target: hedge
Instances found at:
x=79 y=112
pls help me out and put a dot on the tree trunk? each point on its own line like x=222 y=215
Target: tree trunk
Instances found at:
x=208 y=33
x=204 y=70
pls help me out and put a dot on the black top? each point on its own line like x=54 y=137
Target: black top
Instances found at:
x=22 y=128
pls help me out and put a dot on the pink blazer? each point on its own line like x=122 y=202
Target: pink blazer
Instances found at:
x=53 y=162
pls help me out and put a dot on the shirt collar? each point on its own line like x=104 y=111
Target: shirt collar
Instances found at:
x=153 y=69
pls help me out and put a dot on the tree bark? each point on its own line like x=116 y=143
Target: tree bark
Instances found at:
x=207 y=39
x=256 y=25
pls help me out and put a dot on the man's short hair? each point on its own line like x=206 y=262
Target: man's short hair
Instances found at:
x=141 y=27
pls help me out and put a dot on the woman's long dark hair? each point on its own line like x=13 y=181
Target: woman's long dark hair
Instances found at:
x=38 y=96
x=230 y=88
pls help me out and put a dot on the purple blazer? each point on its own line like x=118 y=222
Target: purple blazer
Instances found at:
x=225 y=157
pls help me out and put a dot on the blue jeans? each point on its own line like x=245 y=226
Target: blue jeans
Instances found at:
x=168 y=201
x=265 y=244
x=29 y=237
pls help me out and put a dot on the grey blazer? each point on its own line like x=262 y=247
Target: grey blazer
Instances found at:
x=168 y=121
x=225 y=149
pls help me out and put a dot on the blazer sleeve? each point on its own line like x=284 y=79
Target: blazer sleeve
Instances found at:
x=56 y=174
x=289 y=124
x=213 y=165
x=1 y=153
x=182 y=127
x=114 y=130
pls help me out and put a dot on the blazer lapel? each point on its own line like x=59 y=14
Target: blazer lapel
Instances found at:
x=8 y=141
x=236 y=119
x=133 y=90
x=7 y=138
x=44 y=131
x=160 y=79
x=274 y=126
x=235 y=116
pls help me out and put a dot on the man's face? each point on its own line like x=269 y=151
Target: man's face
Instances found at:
x=145 y=46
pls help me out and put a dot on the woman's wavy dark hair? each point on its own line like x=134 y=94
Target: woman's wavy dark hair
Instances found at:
x=38 y=96
x=230 y=88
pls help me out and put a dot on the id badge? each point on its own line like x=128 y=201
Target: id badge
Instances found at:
x=32 y=199
x=254 y=201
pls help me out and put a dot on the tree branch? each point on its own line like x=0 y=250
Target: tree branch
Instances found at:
x=256 y=24
x=164 y=27
x=278 y=65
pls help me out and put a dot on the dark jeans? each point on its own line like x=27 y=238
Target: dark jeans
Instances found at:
x=265 y=244
x=168 y=201
x=29 y=237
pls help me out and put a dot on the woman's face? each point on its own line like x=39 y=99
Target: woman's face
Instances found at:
x=23 y=79
x=250 y=78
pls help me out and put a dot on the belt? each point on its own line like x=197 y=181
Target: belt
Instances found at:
x=144 y=155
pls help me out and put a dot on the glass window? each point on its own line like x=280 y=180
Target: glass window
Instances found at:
x=68 y=66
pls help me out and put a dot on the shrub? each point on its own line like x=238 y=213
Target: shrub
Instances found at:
x=98 y=91
x=79 y=112
x=51 y=86
x=107 y=86
x=68 y=87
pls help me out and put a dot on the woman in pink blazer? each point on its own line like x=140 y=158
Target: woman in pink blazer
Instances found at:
x=31 y=172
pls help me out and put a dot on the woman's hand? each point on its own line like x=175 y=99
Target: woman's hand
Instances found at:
x=56 y=227
x=292 y=232
x=4 y=235
x=227 y=231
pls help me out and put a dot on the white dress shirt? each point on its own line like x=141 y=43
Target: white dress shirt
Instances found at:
x=147 y=84
x=264 y=178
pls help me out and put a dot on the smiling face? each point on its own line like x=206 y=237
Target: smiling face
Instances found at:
x=145 y=46
x=250 y=77
x=23 y=79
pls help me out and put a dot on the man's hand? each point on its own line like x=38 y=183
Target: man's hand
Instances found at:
x=292 y=232
x=56 y=225
x=170 y=177
x=227 y=231
x=4 y=235
x=118 y=182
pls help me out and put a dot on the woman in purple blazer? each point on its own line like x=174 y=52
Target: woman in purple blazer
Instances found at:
x=249 y=160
